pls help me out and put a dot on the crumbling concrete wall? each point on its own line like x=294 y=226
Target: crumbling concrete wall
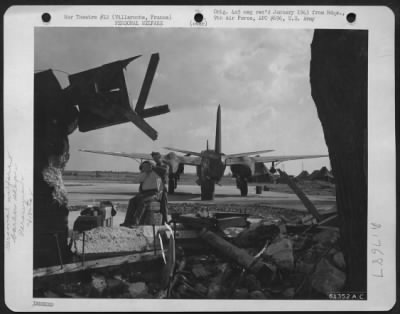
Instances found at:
x=339 y=84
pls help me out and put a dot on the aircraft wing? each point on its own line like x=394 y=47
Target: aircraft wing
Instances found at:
x=250 y=153
x=183 y=151
x=266 y=159
x=186 y=160
x=120 y=154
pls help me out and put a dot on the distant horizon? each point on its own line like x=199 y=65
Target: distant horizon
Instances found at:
x=227 y=172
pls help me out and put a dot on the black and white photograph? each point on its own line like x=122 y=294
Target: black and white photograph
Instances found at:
x=228 y=192
x=201 y=163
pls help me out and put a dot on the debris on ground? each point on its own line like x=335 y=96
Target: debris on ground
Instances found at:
x=218 y=255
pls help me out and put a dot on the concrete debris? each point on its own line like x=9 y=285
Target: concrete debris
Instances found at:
x=199 y=271
x=327 y=278
x=338 y=260
x=257 y=235
x=304 y=267
x=281 y=252
x=257 y=294
x=115 y=286
x=326 y=237
x=201 y=288
x=99 y=285
x=241 y=293
x=252 y=283
x=106 y=240
x=289 y=293
x=214 y=291
x=137 y=289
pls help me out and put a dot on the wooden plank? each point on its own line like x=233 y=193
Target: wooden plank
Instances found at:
x=227 y=222
x=99 y=263
x=147 y=82
x=154 y=111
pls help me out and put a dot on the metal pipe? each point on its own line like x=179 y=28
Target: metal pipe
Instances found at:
x=59 y=250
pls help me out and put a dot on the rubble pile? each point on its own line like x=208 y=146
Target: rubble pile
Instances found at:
x=122 y=281
x=299 y=266
x=267 y=259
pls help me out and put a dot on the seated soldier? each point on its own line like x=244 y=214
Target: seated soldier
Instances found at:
x=150 y=187
x=161 y=168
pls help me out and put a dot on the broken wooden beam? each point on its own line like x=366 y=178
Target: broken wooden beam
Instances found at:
x=147 y=82
x=236 y=254
x=305 y=200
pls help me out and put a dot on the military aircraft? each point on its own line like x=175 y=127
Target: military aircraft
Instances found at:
x=211 y=164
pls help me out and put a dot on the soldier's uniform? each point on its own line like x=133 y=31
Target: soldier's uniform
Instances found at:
x=150 y=185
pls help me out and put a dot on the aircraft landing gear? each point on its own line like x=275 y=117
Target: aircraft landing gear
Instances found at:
x=207 y=190
x=242 y=186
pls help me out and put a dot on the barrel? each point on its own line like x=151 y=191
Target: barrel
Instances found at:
x=152 y=215
x=258 y=189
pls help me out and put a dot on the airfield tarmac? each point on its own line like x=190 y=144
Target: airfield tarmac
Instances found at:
x=83 y=192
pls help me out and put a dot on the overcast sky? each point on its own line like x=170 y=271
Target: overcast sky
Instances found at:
x=260 y=78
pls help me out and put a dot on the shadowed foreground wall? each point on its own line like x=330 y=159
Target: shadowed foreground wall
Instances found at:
x=339 y=86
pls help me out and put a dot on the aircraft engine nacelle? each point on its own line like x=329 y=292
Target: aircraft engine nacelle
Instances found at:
x=242 y=171
x=260 y=168
x=272 y=169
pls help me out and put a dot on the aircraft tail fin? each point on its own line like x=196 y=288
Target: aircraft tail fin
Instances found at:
x=218 y=132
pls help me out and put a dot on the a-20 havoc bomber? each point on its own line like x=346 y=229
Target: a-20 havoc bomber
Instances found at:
x=211 y=164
